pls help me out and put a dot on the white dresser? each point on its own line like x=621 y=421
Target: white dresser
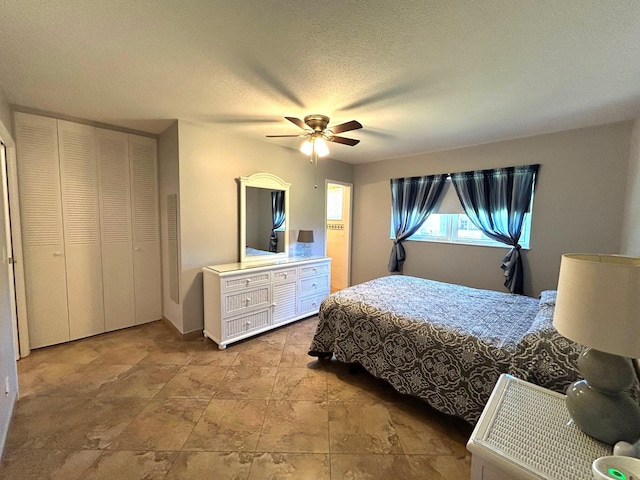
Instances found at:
x=245 y=299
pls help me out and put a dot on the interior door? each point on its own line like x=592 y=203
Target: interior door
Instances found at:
x=116 y=234
x=42 y=234
x=338 y=234
x=146 y=232
x=7 y=250
x=80 y=215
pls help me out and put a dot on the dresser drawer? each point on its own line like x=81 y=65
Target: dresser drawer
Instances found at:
x=246 y=323
x=311 y=304
x=314 y=285
x=242 y=282
x=314 y=269
x=285 y=274
x=238 y=302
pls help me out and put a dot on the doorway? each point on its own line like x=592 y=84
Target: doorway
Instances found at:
x=8 y=281
x=338 y=232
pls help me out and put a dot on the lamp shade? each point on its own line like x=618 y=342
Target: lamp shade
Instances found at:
x=598 y=302
x=305 y=236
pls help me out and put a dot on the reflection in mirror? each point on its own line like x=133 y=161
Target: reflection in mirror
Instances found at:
x=265 y=221
x=264 y=201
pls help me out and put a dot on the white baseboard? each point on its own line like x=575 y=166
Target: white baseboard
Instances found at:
x=7 y=402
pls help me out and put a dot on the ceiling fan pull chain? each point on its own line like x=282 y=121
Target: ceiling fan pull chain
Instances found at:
x=314 y=161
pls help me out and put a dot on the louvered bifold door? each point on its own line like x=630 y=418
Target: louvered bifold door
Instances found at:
x=42 y=235
x=80 y=215
x=146 y=232
x=115 y=223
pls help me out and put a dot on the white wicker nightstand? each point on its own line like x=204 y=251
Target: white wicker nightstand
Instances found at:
x=525 y=432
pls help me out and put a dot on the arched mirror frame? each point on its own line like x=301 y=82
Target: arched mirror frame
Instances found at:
x=271 y=182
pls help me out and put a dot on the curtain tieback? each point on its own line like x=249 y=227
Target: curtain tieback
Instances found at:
x=510 y=258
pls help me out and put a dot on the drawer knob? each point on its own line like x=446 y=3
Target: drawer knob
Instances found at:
x=247 y=324
x=314 y=285
x=315 y=269
x=247 y=300
x=285 y=275
x=248 y=280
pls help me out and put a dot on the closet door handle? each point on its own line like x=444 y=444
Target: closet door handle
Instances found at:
x=57 y=254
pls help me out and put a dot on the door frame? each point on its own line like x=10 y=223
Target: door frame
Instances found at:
x=20 y=322
x=349 y=226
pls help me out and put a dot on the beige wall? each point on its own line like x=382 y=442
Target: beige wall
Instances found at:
x=5 y=115
x=210 y=161
x=578 y=207
x=631 y=228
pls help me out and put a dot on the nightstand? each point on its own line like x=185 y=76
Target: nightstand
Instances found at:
x=525 y=432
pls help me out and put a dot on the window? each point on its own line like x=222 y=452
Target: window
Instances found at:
x=334 y=202
x=457 y=228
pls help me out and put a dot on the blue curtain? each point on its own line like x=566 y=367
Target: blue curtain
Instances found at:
x=277 y=217
x=412 y=201
x=495 y=201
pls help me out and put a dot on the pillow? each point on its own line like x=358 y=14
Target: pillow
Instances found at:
x=543 y=321
x=548 y=298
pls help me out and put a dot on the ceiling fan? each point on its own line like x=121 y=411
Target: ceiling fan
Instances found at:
x=316 y=129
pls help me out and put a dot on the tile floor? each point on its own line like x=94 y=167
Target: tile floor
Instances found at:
x=142 y=404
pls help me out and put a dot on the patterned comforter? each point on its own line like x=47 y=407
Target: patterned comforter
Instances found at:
x=446 y=344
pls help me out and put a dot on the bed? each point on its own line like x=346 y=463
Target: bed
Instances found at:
x=446 y=344
x=250 y=252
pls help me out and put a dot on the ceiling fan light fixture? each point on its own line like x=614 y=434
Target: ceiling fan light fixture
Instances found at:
x=318 y=134
x=307 y=147
x=321 y=147
x=315 y=144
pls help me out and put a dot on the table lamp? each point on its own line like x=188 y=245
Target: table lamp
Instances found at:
x=305 y=237
x=598 y=305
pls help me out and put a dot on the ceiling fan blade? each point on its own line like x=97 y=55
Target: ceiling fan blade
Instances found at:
x=272 y=136
x=344 y=140
x=345 y=127
x=298 y=122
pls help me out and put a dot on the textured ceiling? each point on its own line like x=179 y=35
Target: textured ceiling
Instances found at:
x=420 y=76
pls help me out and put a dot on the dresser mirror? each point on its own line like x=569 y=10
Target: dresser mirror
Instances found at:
x=264 y=217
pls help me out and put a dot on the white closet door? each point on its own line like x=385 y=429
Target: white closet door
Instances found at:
x=146 y=232
x=115 y=223
x=42 y=234
x=80 y=214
